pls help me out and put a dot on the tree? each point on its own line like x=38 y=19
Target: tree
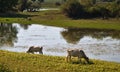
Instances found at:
x=22 y=4
x=117 y=1
x=35 y=5
x=33 y=0
x=94 y=1
x=41 y=1
x=29 y=4
x=6 y=5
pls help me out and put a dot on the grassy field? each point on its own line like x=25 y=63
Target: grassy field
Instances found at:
x=23 y=62
x=56 y=18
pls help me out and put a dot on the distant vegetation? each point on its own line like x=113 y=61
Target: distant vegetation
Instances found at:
x=71 y=8
x=19 y=5
x=91 y=8
x=87 y=12
x=7 y=5
x=30 y=5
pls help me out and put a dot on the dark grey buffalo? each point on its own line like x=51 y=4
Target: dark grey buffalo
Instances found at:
x=76 y=53
x=33 y=49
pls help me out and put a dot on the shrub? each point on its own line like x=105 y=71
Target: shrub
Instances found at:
x=93 y=11
x=114 y=9
x=73 y=9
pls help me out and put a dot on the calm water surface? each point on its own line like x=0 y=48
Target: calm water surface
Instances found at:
x=97 y=44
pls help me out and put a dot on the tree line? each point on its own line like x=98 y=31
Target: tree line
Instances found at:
x=91 y=8
x=19 y=5
x=71 y=8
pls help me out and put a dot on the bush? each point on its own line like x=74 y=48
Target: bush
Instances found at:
x=73 y=9
x=99 y=11
x=114 y=9
x=93 y=11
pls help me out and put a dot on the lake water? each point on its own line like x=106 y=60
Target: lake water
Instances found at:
x=97 y=44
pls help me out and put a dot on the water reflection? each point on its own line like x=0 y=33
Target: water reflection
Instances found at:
x=73 y=35
x=8 y=34
x=25 y=26
x=98 y=44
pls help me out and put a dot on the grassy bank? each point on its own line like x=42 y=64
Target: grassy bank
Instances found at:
x=56 y=18
x=22 y=62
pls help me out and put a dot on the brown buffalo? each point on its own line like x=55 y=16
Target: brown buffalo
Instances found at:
x=76 y=53
x=33 y=49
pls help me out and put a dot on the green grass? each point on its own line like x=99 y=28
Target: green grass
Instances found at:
x=56 y=18
x=23 y=62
